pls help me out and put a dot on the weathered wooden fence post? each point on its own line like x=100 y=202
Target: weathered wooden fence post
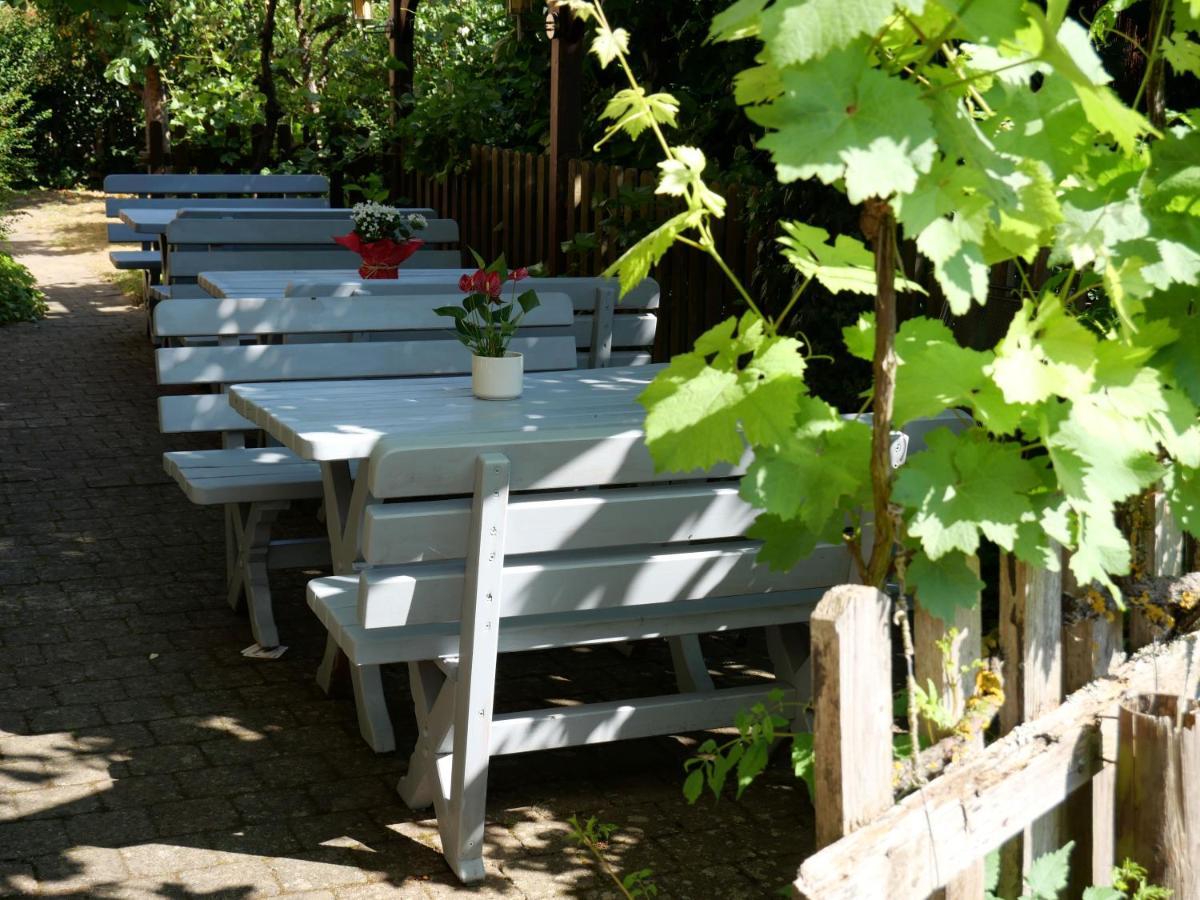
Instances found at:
x=1031 y=642
x=954 y=686
x=1158 y=790
x=1092 y=647
x=852 y=696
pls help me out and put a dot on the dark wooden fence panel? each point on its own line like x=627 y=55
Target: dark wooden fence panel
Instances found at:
x=502 y=206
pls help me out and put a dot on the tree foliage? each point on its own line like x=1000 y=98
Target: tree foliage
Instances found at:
x=984 y=133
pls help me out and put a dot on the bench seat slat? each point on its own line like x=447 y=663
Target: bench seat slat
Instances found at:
x=243 y=475
x=423 y=593
x=334 y=600
x=136 y=259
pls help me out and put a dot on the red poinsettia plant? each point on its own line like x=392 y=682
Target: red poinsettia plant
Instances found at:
x=383 y=237
x=485 y=323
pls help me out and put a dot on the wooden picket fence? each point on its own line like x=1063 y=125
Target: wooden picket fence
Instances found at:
x=1052 y=778
x=502 y=204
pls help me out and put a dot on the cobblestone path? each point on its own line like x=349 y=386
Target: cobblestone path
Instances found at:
x=142 y=756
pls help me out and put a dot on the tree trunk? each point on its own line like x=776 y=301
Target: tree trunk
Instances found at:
x=566 y=104
x=879 y=226
x=401 y=40
x=1158 y=790
x=272 y=111
x=154 y=105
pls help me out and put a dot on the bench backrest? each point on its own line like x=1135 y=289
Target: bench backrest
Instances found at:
x=608 y=331
x=119 y=232
x=417 y=343
x=589 y=525
x=164 y=191
x=239 y=212
x=196 y=245
x=183 y=185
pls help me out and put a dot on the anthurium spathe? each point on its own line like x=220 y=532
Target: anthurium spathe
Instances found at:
x=485 y=323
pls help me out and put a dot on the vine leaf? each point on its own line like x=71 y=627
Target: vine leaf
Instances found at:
x=797 y=31
x=738 y=380
x=944 y=585
x=844 y=265
x=1046 y=352
x=934 y=371
x=840 y=118
x=965 y=485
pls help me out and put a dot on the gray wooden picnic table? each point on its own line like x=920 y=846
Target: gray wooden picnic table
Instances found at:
x=274 y=282
x=338 y=423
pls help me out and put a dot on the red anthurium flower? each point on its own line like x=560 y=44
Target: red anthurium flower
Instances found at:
x=493 y=284
x=464 y=284
x=520 y=273
x=479 y=281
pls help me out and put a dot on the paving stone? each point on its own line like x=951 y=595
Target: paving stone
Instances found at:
x=141 y=790
x=413 y=889
x=162 y=858
x=190 y=816
x=80 y=870
x=296 y=874
x=234 y=880
x=111 y=828
x=24 y=840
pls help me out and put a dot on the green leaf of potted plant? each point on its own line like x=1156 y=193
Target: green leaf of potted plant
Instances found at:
x=485 y=324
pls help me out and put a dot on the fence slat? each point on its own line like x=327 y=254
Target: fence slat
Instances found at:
x=1031 y=642
x=852 y=695
x=1092 y=647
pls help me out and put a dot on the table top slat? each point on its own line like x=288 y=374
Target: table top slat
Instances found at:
x=343 y=420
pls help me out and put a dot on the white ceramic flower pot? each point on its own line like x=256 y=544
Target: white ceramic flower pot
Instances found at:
x=497 y=377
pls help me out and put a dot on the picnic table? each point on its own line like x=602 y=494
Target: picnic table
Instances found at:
x=635 y=554
x=269 y=283
x=338 y=423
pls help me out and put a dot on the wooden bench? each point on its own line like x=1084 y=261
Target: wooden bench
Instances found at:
x=608 y=331
x=561 y=541
x=256 y=483
x=165 y=191
x=194 y=245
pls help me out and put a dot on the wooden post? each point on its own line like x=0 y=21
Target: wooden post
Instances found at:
x=1031 y=642
x=930 y=836
x=401 y=33
x=852 y=732
x=954 y=686
x=1092 y=647
x=1158 y=790
x=566 y=105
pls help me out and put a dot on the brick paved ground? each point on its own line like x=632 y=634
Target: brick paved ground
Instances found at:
x=142 y=756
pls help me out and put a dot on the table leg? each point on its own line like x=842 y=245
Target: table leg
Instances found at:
x=345 y=499
x=691 y=671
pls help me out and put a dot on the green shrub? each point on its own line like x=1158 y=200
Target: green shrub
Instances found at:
x=20 y=300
